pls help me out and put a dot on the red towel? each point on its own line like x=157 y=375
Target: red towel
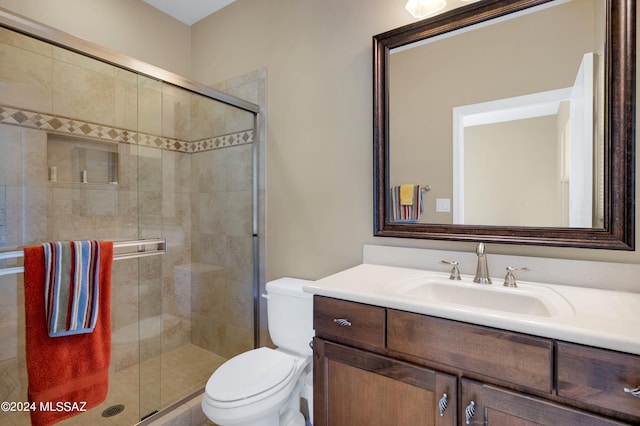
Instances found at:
x=67 y=375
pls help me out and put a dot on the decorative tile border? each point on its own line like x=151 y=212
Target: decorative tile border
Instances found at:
x=69 y=126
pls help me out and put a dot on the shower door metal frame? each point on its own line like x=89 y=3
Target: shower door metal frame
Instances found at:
x=59 y=38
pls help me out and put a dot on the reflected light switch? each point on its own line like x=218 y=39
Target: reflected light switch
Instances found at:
x=443 y=205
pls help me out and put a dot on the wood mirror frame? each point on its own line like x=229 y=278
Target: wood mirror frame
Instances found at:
x=618 y=232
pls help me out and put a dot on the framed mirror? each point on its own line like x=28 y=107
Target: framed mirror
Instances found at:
x=509 y=121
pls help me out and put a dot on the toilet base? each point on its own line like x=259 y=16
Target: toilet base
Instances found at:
x=266 y=419
x=288 y=418
x=292 y=418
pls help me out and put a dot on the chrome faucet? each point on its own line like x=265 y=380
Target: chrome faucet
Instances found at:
x=482 y=271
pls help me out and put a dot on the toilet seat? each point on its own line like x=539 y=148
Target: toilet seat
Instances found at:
x=249 y=377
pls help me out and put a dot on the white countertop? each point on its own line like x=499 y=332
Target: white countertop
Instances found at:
x=600 y=318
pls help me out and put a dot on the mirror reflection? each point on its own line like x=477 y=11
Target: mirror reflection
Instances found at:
x=509 y=130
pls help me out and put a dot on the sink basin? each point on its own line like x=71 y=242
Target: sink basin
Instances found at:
x=526 y=299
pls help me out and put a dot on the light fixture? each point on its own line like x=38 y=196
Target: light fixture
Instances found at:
x=423 y=8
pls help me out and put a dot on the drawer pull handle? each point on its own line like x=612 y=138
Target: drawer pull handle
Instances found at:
x=635 y=392
x=342 y=322
x=469 y=411
x=442 y=404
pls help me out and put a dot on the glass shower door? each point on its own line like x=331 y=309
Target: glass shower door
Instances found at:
x=149 y=270
x=196 y=189
x=105 y=153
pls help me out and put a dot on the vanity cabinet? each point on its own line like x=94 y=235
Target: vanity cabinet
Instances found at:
x=354 y=387
x=382 y=366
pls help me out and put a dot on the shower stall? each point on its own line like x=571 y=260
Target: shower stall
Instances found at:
x=95 y=146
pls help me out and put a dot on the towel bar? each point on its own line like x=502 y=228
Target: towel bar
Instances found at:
x=141 y=251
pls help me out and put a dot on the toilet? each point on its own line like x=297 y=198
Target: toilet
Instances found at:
x=263 y=387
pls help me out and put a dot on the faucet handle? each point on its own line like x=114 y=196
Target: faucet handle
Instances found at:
x=510 y=278
x=455 y=271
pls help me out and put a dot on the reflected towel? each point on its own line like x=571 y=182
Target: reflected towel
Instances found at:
x=406 y=194
x=405 y=213
x=72 y=286
x=69 y=369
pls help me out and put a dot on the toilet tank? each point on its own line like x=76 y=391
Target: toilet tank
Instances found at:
x=290 y=315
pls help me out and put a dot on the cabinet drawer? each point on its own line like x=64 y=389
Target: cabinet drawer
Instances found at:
x=512 y=357
x=351 y=323
x=598 y=377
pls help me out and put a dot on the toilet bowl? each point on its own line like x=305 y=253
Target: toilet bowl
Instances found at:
x=263 y=387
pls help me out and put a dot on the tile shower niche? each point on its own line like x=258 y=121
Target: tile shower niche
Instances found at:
x=77 y=160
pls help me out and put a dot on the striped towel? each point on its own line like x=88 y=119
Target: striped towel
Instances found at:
x=71 y=286
x=405 y=213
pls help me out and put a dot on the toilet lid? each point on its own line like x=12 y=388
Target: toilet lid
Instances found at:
x=249 y=374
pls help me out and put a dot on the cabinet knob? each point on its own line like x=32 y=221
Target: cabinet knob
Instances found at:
x=635 y=391
x=342 y=322
x=442 y=404
x=469 y=412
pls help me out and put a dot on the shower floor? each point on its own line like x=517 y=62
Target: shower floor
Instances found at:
x=182 y=372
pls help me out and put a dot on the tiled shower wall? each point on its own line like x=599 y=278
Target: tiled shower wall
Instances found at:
x=184 y=174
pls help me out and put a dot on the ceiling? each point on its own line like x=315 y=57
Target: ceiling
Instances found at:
x=189 y=11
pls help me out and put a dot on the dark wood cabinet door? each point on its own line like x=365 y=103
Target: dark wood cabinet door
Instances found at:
x=494 y=406
x=354 y=387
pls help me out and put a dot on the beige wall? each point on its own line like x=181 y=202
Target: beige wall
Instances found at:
x=131 y=27
x=319 y=130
